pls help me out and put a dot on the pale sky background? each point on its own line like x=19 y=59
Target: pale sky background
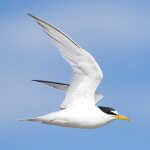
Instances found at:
x=116 y=33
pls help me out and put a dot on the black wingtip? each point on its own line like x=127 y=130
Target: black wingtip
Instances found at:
x=37 y=80
x=42 y=81
x=32 y=16
x=29 y=15
x=45 y=81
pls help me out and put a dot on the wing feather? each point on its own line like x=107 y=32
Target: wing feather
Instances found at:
x=57 y=85
x=64 y=87
x=86 y=72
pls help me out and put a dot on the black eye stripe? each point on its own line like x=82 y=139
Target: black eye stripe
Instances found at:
x=107 y=110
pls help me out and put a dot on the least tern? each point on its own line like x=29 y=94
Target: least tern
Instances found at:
x=78 y=109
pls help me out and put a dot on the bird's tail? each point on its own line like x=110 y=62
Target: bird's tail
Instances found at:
x=31 y=119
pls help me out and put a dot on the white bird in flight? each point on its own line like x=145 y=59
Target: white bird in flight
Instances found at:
x=78 y=109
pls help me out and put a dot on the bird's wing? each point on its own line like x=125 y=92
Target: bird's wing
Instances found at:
x=64 y=87
x=60 y=86
x=86 y=72
x=97 y=97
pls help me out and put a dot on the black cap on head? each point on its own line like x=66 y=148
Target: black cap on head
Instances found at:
x=108 y=110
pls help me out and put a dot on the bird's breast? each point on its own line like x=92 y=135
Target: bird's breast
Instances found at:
x=79 y=118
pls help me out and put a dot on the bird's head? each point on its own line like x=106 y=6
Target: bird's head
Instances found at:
x=112 y=113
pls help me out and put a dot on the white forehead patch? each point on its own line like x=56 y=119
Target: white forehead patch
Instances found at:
x=115 y=112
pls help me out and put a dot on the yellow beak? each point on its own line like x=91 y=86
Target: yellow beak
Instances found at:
x=121 y=117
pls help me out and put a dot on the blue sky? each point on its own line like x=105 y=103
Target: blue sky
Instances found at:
x=116 y=33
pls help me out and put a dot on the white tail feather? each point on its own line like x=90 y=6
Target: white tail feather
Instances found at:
x=31 y=119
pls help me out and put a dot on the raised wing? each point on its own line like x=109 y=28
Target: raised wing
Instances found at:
x=64 y=87
x=86 y=72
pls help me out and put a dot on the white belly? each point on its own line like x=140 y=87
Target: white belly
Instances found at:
x=77 y=118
